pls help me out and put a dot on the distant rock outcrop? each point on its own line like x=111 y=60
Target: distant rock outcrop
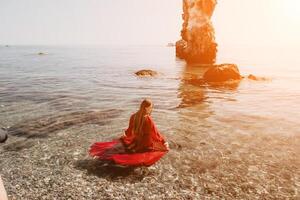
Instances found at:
x=222 y=73
x=170 y=44
x=256 y=78
x=146 y=72
x=198 y=41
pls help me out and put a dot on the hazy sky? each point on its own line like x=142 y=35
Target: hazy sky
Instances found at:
x=143 y=21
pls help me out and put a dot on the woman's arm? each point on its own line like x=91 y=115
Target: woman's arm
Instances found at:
x=128 y=131
x=157 y=137
x=155 y=133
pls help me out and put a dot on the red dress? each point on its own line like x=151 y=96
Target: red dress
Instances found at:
x=132 y=150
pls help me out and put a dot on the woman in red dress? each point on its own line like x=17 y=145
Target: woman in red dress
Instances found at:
x=141 y=144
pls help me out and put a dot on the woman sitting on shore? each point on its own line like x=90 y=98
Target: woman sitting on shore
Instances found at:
x=141 y=144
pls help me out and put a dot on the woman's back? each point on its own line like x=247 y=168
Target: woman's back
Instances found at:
x=146 y=139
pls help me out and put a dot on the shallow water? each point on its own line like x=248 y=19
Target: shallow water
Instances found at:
x=235 y=142
x=84 y=78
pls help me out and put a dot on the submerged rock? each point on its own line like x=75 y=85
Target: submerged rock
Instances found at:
x=146 y=72
x=42 y=127
x=222 y=73
x=3 y=136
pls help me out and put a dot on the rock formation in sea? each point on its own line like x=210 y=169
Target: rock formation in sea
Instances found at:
x=222 y=73
x=197 y=44
x=146 y=72
x=256 y=78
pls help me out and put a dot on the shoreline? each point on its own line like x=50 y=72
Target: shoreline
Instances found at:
x=220 y=166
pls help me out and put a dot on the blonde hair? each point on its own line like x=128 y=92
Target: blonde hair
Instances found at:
x=139 y=117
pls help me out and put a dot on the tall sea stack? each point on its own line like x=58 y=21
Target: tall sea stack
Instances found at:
x=197 y=45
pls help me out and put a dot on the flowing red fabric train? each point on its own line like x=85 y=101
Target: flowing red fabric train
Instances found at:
x=98 y=150
x=129 y=159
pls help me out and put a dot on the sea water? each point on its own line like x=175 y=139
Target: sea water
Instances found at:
x=65 y=79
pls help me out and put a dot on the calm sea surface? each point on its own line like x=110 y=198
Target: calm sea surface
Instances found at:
x=82 y=78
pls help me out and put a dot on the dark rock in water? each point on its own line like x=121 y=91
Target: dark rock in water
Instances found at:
x=3 y=136
x=252 y=77
x=41 y=127
x=41 y=53
x=146 y=72
x=222 y=73
x=256 y=78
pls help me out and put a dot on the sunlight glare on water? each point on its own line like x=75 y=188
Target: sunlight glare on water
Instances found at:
x=68 y=79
